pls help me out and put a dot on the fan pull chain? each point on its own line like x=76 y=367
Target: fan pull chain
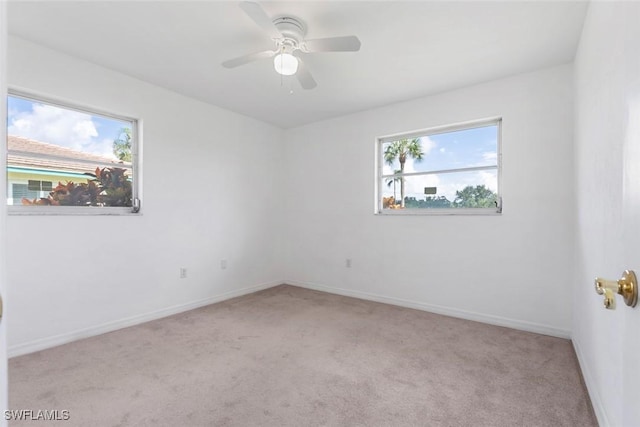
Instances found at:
x=281 y=60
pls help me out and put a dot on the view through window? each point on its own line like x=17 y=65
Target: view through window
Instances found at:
x=448 y=169
x=62 y=156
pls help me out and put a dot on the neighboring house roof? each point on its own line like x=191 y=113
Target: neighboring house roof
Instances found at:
x=53 y=158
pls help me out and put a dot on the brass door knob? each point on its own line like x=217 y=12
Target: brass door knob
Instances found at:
x=627 y=286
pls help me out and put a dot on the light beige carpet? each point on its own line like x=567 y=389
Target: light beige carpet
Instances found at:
x=294 y=357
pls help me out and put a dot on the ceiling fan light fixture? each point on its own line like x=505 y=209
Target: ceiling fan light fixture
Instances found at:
x=285 y=64
x=288 y=33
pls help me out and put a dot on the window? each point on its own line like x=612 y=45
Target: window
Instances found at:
x=20 y=191
x=34 y=185
x=64 y=159
x=451 y=170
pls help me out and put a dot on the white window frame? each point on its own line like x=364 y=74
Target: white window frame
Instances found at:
x=83 y=210
x=380 y=176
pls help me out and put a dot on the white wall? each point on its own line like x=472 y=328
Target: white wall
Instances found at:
x=211 y=191
x=509 y=269
x=512 y=269
x=607 y=156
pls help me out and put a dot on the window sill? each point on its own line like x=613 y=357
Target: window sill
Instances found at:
x=439 y=212
x=68 y=210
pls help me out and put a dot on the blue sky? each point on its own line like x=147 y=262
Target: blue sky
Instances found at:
x=68 y=128
x=451 y=150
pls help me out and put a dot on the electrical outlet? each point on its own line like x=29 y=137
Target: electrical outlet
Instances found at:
x=183 y=273
x=223 y=264
x=348 y=263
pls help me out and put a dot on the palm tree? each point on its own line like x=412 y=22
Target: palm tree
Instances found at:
x=122 y=145
x=401 y=150
x=392 y=181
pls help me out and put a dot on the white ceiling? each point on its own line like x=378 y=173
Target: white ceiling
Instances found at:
x=409 y=49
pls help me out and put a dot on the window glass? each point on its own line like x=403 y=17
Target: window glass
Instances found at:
x=66 y=157
x=455 y=168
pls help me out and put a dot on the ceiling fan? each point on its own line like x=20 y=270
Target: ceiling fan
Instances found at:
x=290 y=45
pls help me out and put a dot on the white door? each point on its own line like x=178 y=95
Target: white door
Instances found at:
x=3 y=209
x=631 y=233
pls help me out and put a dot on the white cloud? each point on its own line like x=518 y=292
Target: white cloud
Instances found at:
x=427 y=145
x=85 y=129
x=490 y=156
x=442 y=150
x=57 y=126
x=489 y=180
x=414 y=186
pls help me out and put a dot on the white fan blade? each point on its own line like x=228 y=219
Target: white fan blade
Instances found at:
x=260 y=17
x=236 y=62
x=333 y=44
x=304 y=76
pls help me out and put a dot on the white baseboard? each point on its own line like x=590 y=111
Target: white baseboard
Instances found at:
x=447 y=311
x=596 y=401
x=45 y=343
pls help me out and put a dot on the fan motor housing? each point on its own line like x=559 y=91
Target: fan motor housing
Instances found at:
x=291 y=28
